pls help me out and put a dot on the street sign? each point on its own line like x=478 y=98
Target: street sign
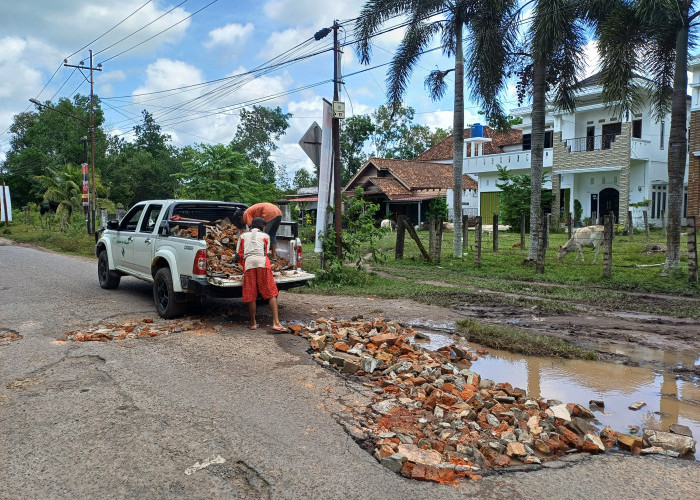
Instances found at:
x=311 y=144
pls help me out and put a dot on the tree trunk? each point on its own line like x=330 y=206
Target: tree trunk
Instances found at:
x=677 y=150
x=458 y=137
x=537 y=153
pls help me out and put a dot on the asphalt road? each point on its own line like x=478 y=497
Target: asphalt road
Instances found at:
x=127 y=419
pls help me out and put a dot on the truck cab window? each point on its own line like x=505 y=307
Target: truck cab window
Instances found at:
x=149 y=220
x=131 y=219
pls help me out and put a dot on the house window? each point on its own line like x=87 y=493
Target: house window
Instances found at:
x=637 y=129
x=658 y=200
x=603 y=181
x=592 y=180
x=548 y=139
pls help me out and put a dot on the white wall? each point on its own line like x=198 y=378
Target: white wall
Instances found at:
x=469 y=202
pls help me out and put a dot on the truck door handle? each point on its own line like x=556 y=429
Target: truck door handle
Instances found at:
x=130 y=239
x=147 y=241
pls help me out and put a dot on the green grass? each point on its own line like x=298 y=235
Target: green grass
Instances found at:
x=565 y=286
x=71 y=242
x=520 y=341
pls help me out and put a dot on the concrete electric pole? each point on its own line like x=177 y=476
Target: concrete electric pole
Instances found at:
x=92 y=133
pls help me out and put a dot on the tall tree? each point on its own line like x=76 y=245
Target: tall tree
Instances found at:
x=354 y=134
x=256 y=136
x=218 y=172
x=652 y=37
x=48 y=139
x=303 y=179
x=492 y=33
x=551 y=60
x=396 y=136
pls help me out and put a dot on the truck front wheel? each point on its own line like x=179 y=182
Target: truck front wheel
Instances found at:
x=108 y=279
x=165 y=298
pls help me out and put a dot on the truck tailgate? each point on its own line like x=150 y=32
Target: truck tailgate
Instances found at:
x=282 y=278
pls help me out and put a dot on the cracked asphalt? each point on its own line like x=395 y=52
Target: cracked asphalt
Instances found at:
x=126 y=419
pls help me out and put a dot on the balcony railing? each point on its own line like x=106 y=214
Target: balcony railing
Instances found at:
x=591 y=143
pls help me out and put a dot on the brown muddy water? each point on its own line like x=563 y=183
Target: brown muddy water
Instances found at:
x=668 y=400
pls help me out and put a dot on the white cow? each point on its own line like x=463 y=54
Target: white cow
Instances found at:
x=387 y=223
x=591 y=236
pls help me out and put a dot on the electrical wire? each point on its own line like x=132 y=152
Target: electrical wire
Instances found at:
x=160 y=32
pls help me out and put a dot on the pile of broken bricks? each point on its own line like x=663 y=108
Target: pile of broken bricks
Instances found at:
x=136 y=330
x=432 y=418
x=222 y=238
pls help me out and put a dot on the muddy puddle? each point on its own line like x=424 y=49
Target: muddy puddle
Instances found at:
x=668 y=400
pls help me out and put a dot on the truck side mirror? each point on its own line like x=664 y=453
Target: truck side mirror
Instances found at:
x=113 y=225
x=164 y=229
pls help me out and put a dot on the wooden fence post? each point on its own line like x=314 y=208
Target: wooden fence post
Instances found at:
x=400 y=237
x=435 y=238
x=477 y=243
x=432 y=230
x=646 y=224
x=542 y=246
x=630 y=225
x=495 y=232
x=607 y=245
x=523 y=222
x=570 y=225
x=465 y=233
x=663 y=222
x=692 y=249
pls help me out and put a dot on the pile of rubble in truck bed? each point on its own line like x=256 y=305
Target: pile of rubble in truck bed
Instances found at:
x=222 y=238
x=432 y=418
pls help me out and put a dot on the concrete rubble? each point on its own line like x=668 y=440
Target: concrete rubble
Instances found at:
x=431 y=418
x=137 y=330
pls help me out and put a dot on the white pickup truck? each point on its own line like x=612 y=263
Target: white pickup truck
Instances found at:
x=147 y=244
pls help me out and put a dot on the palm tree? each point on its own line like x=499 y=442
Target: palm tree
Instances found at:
x=554 y=52
x=64 y=187
x=493 y=38
x=651 y=37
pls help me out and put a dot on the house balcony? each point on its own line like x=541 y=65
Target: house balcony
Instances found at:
x=515 y=160
x=590 y=143
x=640 y=149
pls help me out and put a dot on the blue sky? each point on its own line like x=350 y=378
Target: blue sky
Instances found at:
x=224 y=38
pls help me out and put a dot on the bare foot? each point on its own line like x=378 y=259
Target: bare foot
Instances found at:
x=280 y=328
x=253 y=327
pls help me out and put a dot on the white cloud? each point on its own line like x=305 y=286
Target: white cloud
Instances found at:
x=63 y=24
x=281 y=41
x=112 y=76
x=230 y=35
x=317 y=13
x=444 y=119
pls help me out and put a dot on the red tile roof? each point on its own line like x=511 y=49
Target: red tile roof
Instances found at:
x=443 y=150
x=406 y=176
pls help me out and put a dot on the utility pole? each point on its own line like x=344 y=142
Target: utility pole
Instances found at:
x=4 y=198
x=337 y=195
x=86 y=189
x=92 y=132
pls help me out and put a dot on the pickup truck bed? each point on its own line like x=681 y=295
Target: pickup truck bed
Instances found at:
x=163 y=242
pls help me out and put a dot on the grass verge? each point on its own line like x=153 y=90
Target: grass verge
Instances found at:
x=70 y=242
x=521 y=342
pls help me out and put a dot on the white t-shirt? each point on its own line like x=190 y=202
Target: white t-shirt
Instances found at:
x=252 y=247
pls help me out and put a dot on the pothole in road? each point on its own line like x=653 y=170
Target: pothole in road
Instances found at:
x=668 y=400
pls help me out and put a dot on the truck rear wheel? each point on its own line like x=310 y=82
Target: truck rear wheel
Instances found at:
x=108 y=279
x=166 y=299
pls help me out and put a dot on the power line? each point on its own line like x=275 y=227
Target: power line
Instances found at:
x=110 y=29
x=160 y=32
x=141 y=28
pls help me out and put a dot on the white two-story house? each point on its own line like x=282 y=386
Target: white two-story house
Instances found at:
x=604 y=161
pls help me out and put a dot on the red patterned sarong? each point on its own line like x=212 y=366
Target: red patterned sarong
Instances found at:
x=258 y=280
